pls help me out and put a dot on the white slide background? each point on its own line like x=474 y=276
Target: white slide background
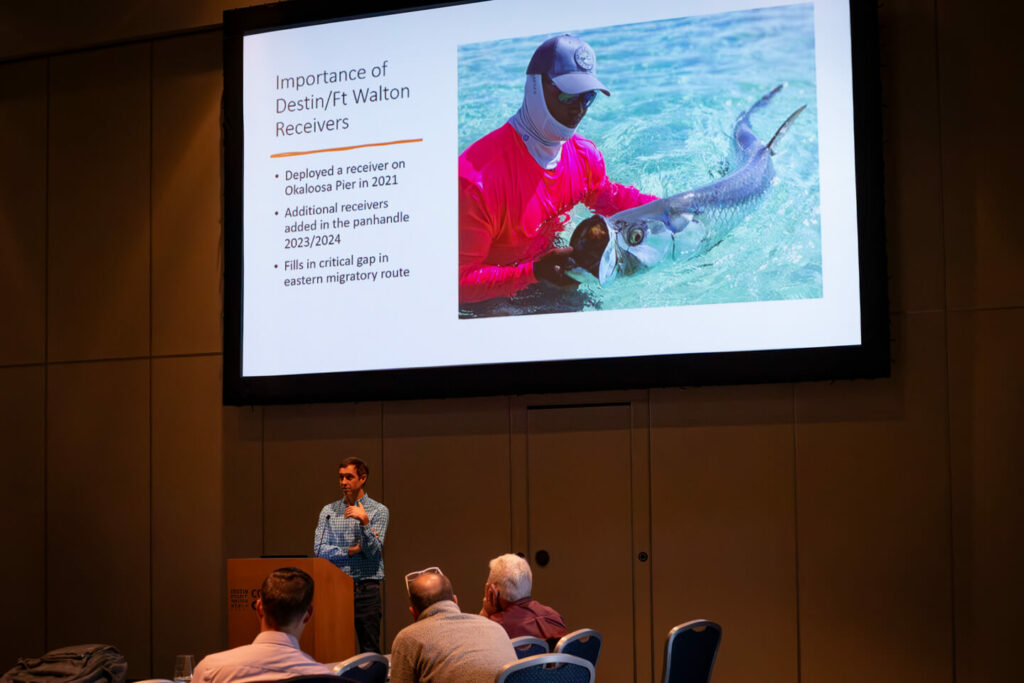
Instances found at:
x=404 y=313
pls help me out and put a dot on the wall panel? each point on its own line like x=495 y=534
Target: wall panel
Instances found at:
x=98 y=260
x=23 y=509
x=979 y=62
x=723 y=524
x=303 y=446
x=187 y=473
x=446 y=474
x=186 y=203
x=913 y=173
x=71 y=24
x=23 y=213
x=98 y=508
x=242 y=495
x=986 y=406
x=873 y=518
x=580 y=513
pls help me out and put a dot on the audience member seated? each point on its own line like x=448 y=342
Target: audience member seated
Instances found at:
x=443 y=645
x=507 y=601
x=284 y=607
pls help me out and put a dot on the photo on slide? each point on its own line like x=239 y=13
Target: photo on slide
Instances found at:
x=716 y=116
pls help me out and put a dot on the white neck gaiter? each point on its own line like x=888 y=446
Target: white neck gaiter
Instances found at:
x=543 y=135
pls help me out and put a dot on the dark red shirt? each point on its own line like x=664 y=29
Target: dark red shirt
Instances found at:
x=527 y=617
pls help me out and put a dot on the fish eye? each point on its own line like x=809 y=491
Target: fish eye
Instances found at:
x=635 y=236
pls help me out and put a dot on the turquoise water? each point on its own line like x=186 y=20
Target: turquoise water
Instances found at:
x=677 y=87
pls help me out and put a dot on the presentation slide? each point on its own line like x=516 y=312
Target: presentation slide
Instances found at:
x=413 y=198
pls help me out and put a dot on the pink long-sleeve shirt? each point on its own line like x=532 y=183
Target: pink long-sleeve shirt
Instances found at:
x=510 y=208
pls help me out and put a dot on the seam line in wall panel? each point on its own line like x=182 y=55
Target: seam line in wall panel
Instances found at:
x=796 y=534
x=511 y=484
x=632 y=527
x=977 y=309
x=566 y=406
x=650 y=529
x=955 y=309
x=263 y=476
x=383 y=496
x=124 y=42
x=526 y=464
x=198 y=354
x=43 y=362
x=100 y=360
x=46 y=369
x=149 y=205
x=949 y=508
x=945 y=302
x=150 y=389
x=207 y=354
x=149 y=202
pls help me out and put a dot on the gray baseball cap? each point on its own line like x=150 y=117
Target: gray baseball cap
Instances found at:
x=569 y=62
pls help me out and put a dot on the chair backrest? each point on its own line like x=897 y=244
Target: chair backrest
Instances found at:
x=527 y=646
x=585 y=643
x=368 y=667
x=316 y=678
x=548 y=668
x=691 y=650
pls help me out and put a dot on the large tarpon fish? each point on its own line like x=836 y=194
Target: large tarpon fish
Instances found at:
x=684 y=225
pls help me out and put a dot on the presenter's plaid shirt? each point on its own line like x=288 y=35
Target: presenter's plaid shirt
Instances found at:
x=335 y=535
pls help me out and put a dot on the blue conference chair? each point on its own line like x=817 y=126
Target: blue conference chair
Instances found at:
x=527 y=646
x=691 y=650
x=368 y=667
x=585 y=643
x=549 y=668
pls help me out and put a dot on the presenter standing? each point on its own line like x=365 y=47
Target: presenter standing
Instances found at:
x=350 y=533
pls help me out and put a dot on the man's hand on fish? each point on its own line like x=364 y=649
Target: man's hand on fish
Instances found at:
x=554 y=266
x=588 y=243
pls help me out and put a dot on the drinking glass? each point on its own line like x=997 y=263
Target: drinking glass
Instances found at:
x=183 y=668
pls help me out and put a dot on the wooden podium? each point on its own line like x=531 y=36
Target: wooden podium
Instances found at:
x=329 y=635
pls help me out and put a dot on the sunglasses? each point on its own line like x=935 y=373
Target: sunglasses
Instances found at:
x=586 y=97
x=565 y=98
x=411 y=576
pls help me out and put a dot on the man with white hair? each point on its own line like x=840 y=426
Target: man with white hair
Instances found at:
x=507 y=601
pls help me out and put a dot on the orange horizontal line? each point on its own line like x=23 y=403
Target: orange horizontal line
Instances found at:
x=343 y=149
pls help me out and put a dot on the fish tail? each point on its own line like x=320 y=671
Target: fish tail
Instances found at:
x=765 y=99
x=783 y=128
x=742 y=131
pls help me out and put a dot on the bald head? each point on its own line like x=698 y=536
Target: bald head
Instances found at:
x=427 y=589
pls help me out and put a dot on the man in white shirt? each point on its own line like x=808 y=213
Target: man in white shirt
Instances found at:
x=284 y=607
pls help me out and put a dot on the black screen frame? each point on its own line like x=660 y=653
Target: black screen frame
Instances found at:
x=869 y=359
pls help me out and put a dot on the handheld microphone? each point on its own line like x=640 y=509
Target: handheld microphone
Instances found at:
x=327 y=521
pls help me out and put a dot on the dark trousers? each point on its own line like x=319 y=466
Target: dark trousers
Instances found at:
x=367 y=608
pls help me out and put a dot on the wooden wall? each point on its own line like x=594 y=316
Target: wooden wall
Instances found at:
x=840 y=531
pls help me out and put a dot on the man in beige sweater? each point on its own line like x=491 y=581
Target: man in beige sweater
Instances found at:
x=443 y=644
